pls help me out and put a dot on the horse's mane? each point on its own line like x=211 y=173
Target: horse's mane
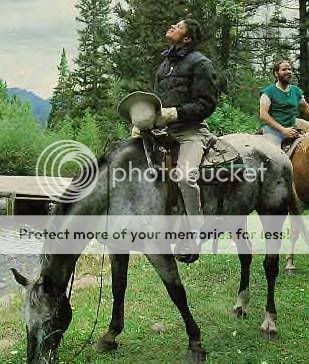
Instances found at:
x=114 y=151
x=116 y=148
x=304 y=144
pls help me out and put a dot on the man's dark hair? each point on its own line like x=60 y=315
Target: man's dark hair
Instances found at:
x=194 y=31
x=276 y=66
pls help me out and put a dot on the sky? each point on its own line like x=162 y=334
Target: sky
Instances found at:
x=32 y=35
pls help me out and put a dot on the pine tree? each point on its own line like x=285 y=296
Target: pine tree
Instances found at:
x=63 y=96
x=139 y=38
x=304 y=46
x=92 y=74
x=139 y=34
x=271 y=44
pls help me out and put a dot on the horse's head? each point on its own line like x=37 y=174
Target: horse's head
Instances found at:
x=47 y=314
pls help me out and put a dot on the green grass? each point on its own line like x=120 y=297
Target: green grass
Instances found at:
x=211 y=285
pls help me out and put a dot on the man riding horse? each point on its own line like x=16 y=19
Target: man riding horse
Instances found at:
x=279 y=104
x=186 y=84
x=47 y=308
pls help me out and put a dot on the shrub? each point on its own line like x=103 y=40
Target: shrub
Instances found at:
x=229 y=119
x=23 y=141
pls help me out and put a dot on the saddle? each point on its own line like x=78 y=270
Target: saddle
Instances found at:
x=289 y=145
x=219 y=161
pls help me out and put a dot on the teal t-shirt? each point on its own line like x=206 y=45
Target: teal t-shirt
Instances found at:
x=284 y=104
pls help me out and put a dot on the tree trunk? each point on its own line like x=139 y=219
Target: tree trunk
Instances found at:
x=225 y=50
x=304 y=46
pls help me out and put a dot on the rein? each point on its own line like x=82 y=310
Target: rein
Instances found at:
x=72 y=281
x=88 y=340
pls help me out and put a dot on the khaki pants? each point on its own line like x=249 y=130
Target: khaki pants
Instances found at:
x=191 y=144
x=276 y=137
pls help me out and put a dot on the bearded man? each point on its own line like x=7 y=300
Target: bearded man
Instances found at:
x=279 y=105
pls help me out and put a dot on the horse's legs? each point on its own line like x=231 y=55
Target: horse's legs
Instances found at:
x=295 y=233
x=243 y=297
x=119 y=266
x=271 y=268
x=244 y=248
x=166 y=267
x=296 y=210
x=289 y=260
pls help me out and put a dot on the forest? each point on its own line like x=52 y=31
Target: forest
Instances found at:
x=119 y=50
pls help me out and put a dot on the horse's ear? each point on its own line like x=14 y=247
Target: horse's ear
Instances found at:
x=20 y=278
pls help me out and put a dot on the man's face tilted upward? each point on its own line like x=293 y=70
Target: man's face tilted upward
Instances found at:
x=177 y=34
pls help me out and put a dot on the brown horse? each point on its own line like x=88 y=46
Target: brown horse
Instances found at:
x=300 y=162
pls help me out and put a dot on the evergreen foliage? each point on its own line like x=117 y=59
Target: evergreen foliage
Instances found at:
x=139 y=38
x=93 y=73
x=62 y=100
x=119 y=51
x=22 y=139
x=229 y=119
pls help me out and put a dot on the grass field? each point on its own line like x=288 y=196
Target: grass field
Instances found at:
x=211 y=285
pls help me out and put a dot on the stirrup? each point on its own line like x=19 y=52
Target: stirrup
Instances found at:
x=186 y=255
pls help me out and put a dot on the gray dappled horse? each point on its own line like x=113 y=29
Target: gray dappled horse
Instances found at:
x=47 y=308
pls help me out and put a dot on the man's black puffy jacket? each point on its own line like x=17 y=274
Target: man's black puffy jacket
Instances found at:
x=186 y=80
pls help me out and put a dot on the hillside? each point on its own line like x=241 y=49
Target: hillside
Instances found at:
x=40 y=107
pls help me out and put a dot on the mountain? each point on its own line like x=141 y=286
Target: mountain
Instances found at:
x=40 y=107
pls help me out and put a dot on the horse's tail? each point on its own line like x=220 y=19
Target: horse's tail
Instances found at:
x=298 y=226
